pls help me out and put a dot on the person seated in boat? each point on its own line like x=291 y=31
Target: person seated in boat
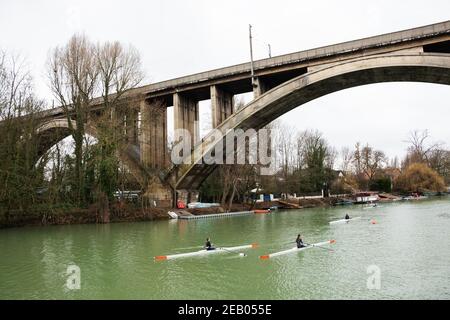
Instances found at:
x=347 y=217
x=299 y=242
x=208 y=245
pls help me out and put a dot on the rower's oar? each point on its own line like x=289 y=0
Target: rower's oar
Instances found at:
x=229 y=251
x=312 y=245
x=194 y=247
x=316 y=246
x=371 y=221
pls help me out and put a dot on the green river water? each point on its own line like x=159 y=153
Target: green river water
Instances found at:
x=409 y=245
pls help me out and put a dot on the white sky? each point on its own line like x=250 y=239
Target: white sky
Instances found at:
x=180 y=37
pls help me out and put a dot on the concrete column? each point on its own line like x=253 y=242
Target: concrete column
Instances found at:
x=153 y=135
x=131 y=126
x=193 y=195
x=158 y=194
x=185 y=111
x=222 y=105
x=187 y=196
x=259 y=88
x=183 y=195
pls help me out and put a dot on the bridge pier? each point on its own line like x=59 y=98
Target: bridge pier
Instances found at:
x=153 y=135
x=185 y=111
x=187 y=196
x=131 y=124
x=157 y=194
x=222 y=105
x=260 y=87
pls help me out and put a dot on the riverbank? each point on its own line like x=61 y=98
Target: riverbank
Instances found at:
x=125 y=212
x=119 y=212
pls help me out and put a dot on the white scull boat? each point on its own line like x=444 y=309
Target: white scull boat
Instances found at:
x=275 y=254
x=344 y=220
x=205 y=252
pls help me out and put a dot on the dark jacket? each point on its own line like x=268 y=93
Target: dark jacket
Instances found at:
x=300 y=243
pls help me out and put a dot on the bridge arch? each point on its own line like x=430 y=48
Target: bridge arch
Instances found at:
x=53 y=131
x=393 y=67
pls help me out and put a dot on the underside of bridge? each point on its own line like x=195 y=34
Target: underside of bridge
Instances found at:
x=399 y=67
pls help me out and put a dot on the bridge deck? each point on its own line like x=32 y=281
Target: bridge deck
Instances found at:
x=381 y=43
x=306 y=55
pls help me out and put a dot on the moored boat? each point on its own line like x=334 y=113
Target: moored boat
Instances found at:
x=258 y=211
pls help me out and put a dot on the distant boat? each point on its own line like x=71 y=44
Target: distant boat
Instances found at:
x=415 y=198
x=366 y=199
x=345 y=202
x=372 y=205
x=196 y=205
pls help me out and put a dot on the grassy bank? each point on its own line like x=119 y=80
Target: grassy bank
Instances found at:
x=63 y=214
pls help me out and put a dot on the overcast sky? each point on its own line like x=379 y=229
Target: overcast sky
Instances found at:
x=177 y=38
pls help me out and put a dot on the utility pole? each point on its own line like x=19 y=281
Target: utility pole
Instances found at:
x=270 y=50
x=251 y=56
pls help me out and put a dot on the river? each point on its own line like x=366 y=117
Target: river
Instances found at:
x=405 y=255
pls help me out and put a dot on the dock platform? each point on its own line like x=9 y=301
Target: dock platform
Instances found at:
x=216 y=215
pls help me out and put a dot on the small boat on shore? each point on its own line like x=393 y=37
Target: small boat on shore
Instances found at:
x=295 y=249
x=344 y=220
x=261 y=211
x=172 y=215
x=205 y=252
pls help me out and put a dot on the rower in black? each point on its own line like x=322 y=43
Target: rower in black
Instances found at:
x=208 y=245
x=299 y=242
x=347 y=217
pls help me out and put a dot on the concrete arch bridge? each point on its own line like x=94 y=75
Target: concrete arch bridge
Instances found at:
x=279 y=84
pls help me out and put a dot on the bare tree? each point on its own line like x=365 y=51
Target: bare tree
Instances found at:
x=79 y=71
x=419 y=149
x=370 y=162
x=119 y=71
x=19 y=173
x=346 y=159
x=299 y=144
x=73 y=78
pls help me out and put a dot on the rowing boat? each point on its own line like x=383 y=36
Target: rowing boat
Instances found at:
x=205 y=252
x=344 y=220
x=275 y=254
